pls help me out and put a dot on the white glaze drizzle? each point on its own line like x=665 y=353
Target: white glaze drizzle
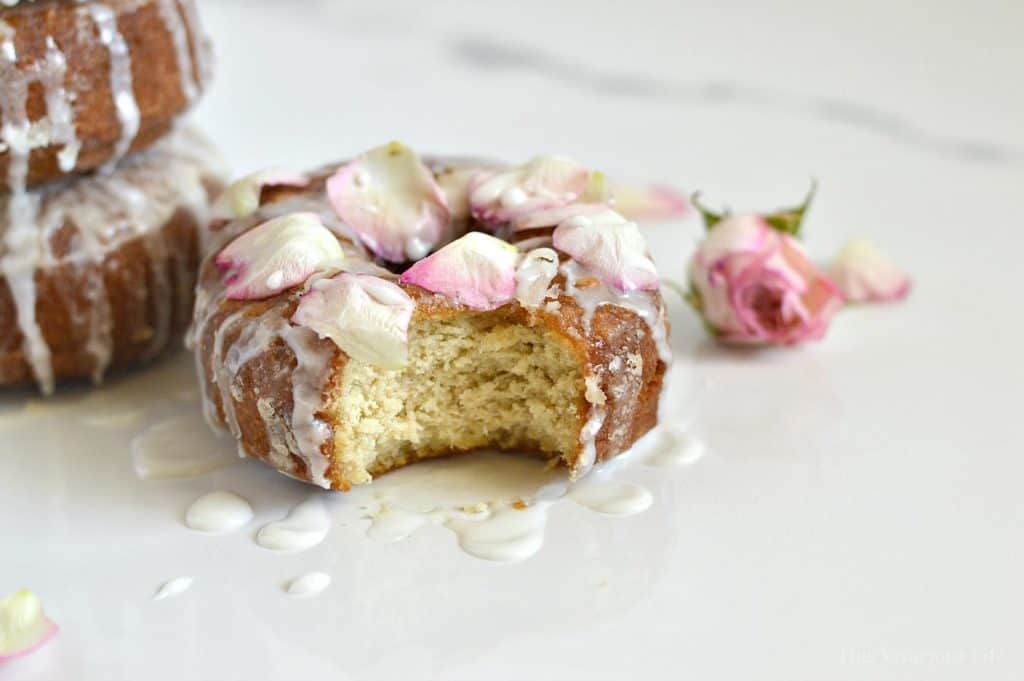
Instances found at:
x=21 y=239
x=121 y=87
x=200 y=44
x=588 y=438
x=648 y=306
x=308 y=379
x=225 y=379
x=59 y=111
x=171 y=16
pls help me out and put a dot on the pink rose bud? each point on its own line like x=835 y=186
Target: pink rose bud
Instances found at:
x=864 y=275
x=754 y=284
x=24 y=627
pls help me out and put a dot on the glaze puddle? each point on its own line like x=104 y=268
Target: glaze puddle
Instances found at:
x=671 y=447
x=217 y=512
x=507 y=534
x=311 y=584
x=172 y=588
x=612 y=497
x=496 y=504
x=395 y=524
x=178 y=448
x=305 y=526
x=111 y=419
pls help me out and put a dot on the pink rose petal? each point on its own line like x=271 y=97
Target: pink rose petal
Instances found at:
x=552 y=217
x=277 y=255
x=651 y=203
x=24 y=627
x=365 y=315
x=498 y=196
x=242 y=197
x=478 y=271
x=864 y=275
x=391 y=200
x=612 y=247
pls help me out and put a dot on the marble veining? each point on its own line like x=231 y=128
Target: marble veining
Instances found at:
x=487 y=53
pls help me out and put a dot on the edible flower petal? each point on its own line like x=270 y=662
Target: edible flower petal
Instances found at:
x=653 y=203
x=498 y=196
x=24 y=627
x=477 y=270
x=365 y=315
x=612 y=247
x=277 y=255
x=391 y=200
x=865 y=275
x=242 y=197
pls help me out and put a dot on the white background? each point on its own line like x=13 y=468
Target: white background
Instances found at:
x=859 y=513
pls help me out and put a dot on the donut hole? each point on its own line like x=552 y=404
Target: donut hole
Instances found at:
x=473 y=381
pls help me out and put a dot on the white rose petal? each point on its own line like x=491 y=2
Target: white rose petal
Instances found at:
x=277 y=255
x=242 y=197
x=863 y=274
x=24 y=626
x=612 y=247
x=365 y=315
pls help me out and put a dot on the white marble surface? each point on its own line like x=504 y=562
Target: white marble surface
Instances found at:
x=858 y=514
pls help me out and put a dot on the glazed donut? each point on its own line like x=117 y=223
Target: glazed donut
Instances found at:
x=362 y=317
x=97 y=272
x=85 y=83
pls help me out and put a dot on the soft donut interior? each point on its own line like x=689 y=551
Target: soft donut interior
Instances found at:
x=473 y=380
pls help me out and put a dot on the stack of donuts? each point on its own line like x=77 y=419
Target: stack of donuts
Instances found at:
x=104 y=197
